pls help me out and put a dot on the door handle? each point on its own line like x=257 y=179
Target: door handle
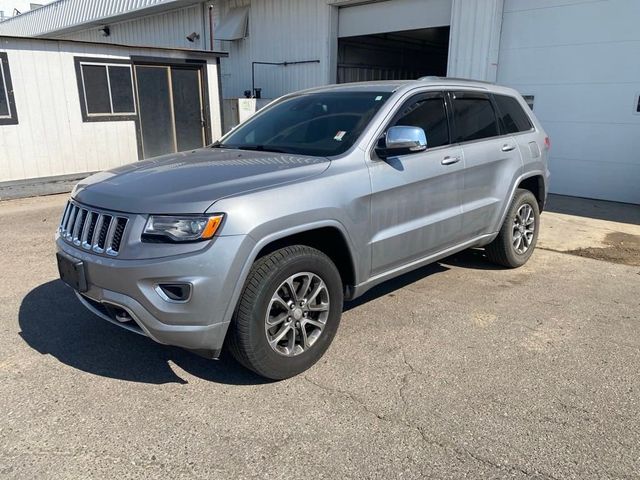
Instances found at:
x=450 y=160
x=508 y=148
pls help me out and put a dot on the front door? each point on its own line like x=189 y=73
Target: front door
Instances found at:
x=415 y=207
x=170 y=109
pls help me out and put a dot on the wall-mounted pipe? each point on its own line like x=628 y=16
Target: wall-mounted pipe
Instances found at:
x=283 y=64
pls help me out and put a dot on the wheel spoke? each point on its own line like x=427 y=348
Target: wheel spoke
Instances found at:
x=278 y=299
x=292 y=289
x=305 y=340
x=516 y=238
x=292 y=340
x=320 y=307
x=305 y=286
x=313 y=322
x=278 y=320
x=314 y=293
x=280 y=335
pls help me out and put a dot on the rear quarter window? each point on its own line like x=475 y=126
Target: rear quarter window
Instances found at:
x=513 y=117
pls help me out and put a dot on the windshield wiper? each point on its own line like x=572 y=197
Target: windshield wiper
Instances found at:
x=261 y=148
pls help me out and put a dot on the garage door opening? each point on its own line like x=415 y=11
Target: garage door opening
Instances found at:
x=400 y=55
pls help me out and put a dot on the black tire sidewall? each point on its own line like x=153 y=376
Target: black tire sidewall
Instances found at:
x=523 y=197
x=265 y=360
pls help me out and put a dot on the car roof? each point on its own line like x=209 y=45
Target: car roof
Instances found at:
x=395 y=85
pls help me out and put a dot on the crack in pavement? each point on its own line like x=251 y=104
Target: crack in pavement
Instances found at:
x=424 y=436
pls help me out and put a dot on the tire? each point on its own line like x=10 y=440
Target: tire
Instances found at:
x=258 y=315
x=506 y=249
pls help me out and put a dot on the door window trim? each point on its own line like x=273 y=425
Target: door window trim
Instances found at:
x=394 y=115
x=7 y=92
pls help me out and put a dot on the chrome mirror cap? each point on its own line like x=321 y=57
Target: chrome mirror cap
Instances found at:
x=402 y=140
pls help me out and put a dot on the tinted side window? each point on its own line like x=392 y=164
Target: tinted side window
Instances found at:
x=513 y=117
x=474 y=118
x=430 y=115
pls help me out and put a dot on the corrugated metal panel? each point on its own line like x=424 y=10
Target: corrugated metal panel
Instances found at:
x=64 y=14
x=475 y=39
x=168 y=29
x=279 y=30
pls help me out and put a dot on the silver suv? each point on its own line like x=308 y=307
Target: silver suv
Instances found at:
x=254 y=242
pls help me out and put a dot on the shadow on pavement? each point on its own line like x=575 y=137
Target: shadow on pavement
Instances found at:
x=598 y=209
x=54 y=322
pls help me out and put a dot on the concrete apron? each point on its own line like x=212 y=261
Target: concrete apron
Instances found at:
x=592 y=228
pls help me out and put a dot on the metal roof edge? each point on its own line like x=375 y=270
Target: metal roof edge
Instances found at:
x=186 y=51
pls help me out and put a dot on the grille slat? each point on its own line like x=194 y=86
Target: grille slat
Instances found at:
x=92 y=230
x=102 y=235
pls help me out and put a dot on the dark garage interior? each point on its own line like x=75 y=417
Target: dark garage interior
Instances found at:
x=401 y=55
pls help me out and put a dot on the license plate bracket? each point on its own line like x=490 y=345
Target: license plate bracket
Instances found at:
x=72 y=272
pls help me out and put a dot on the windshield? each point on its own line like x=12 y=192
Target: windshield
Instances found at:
x=319 y=124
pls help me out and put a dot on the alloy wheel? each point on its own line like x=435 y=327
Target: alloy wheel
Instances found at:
x=297 y=314
x=524 y=225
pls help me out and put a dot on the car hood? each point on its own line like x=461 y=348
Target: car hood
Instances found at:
x=191 y=182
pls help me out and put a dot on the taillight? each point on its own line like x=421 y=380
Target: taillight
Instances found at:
x=547 y=143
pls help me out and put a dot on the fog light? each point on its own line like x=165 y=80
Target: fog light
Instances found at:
x=174 y=292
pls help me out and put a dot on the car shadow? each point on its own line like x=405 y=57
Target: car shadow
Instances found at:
x=53 y=321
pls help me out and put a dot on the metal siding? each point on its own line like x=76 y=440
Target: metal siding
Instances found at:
x=475 y=39
x=279 y=30
x=585 y=89
x=51 y=138
x=63 y=14
x=168 y=29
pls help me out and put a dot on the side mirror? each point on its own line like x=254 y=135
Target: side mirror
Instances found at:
x=402 y=140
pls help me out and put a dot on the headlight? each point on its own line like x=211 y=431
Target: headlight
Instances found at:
x=181 y=229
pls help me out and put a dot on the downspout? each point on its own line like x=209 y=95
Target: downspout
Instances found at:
x=211 y=26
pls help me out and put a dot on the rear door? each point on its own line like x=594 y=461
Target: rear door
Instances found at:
x=492 y=161
x=415 y=206
x=516 y=122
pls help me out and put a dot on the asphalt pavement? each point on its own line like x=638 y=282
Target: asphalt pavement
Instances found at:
x=457 y=370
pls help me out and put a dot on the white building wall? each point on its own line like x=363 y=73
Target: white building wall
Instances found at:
x=51 y=139
x=580 y=61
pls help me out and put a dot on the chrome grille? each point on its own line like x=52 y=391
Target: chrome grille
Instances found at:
x=92 y=230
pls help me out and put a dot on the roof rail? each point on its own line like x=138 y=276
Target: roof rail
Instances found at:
x=453 y=79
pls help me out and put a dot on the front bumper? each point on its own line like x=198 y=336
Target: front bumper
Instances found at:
x=118 y=285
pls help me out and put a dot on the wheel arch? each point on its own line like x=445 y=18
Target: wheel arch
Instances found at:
x=536 y=185
x=339 y=249
x=329 y=239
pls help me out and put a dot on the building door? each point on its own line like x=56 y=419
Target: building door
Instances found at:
x=393 y=40
x=170 y=109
